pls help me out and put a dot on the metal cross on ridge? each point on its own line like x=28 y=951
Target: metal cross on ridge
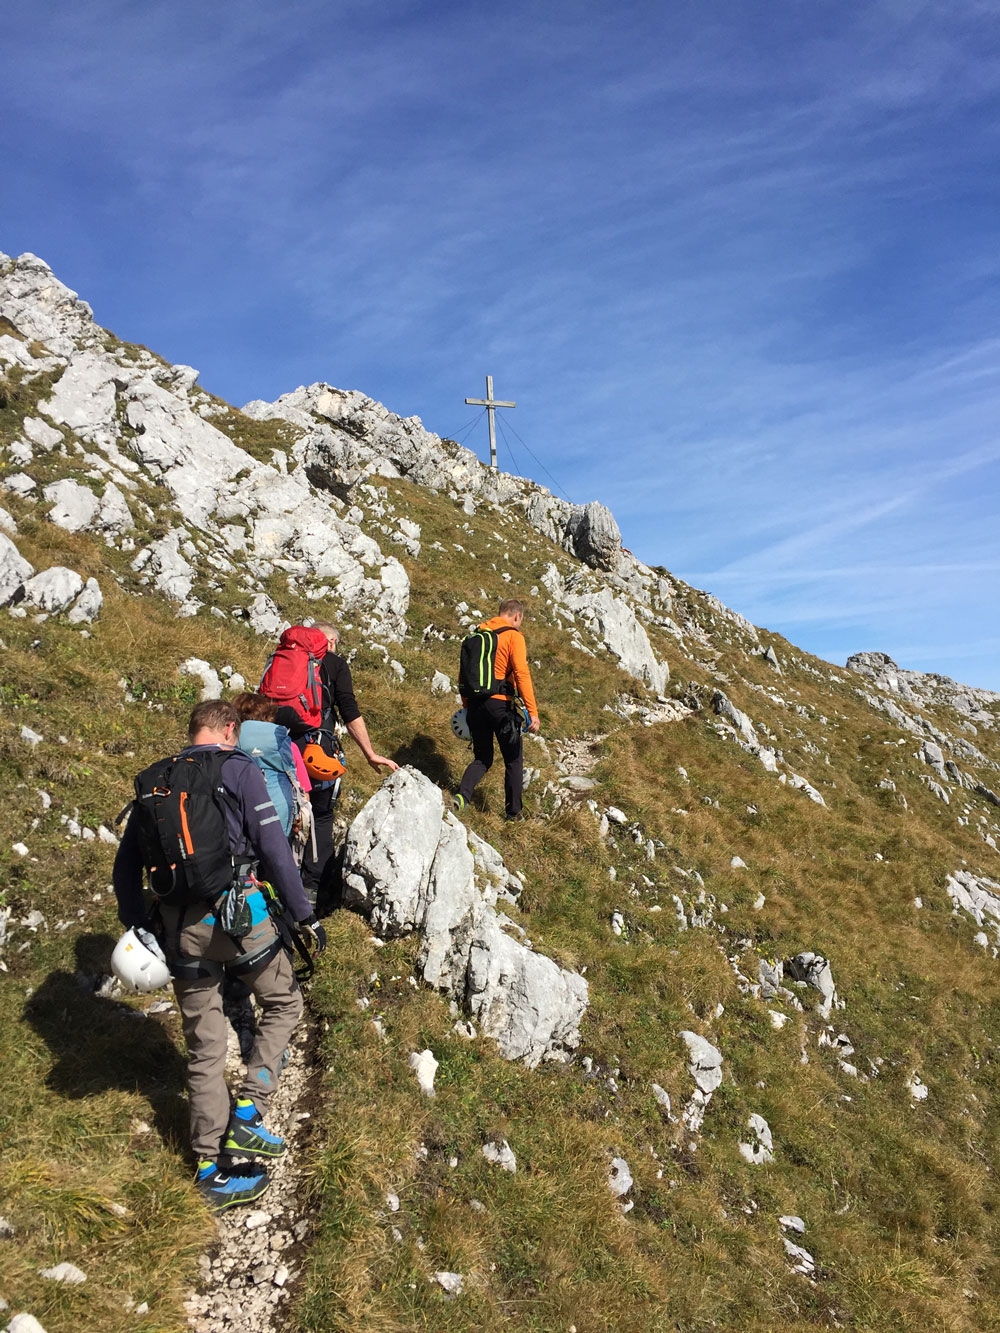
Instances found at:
x=491 y=404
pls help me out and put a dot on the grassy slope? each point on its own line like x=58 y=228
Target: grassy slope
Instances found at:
x=898 y=1199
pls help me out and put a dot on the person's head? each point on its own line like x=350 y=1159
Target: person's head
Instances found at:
x=255 y=708
x=512 y=611
x=331 y=631
x=214 y=722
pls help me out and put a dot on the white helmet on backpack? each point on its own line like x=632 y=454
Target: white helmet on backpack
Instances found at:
x=460 y=725
x=138 y=963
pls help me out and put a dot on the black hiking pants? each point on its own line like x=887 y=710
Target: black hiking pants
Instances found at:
x=494 y=718
x=317 y=870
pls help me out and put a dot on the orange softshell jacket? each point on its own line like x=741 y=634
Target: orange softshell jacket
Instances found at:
x=512 y=662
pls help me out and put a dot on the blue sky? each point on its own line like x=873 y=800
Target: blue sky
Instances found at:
x=738 y=264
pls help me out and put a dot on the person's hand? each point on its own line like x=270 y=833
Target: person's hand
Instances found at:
x=315 y=934
x=534 y=724
x=378 y=761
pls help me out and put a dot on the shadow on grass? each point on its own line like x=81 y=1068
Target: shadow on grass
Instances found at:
x=422 y=752
x=101 y=1043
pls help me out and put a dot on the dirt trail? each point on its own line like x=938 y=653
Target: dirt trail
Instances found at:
x=247 y=1276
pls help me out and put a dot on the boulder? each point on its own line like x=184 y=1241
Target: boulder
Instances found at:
x=74 y=507
x=759 y=1149
x=211 y=685
x=14 y=569
x=815 y=971
x=409 y=866
x=54 y=589
x=87 y=606
x=594 y=536
x=612 y=620
x=40 y=433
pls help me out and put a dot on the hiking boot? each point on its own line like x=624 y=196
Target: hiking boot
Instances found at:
x=227 y=1189
x=460 y=803
x=246 y=1135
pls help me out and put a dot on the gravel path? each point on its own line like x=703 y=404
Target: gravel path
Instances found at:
x=247 y=1276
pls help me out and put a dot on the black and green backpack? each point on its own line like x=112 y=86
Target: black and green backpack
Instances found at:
x=477 y=676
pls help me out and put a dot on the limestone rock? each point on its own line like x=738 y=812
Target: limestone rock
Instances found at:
x=450 y=1282
x=264 y=617
x=41 y=307
x=815 y=971
x=425 y=1067
x=759 y=1150
x=19 y=483
x=410 y=865
x=87 y=606
x=64 y=1272
x=211 y=685
x=704 y=1061
x=40 y=433
x=501 y=1155
x=54 y=589
x=613 y=621
x=978 y=896
x=440 y=683
x=801 y=784
x=24 y=1323
x=163 y=563
x=594 y=535
x=74 y=507
x=14 y=569
x=619 y=1177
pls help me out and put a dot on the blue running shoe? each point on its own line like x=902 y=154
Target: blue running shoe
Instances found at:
x=246 y=1135
x=222 y=1189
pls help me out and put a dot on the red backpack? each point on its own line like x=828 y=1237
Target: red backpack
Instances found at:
x=292 y=672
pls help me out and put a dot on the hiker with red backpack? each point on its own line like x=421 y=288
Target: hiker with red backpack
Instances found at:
x=203 y=827
x=493 y=674
x=307 y=674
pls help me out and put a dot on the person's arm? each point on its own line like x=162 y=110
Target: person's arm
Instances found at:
x=359 y=734
x=341 y=687
x=522 y=677
x=127 y=878
x=262 y=827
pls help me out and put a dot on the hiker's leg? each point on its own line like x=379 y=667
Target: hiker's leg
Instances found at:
x=481 y=730
x=198 y=946
x=512 y=749
x=200 y=1003
x=280 y=1000
x=316 y=870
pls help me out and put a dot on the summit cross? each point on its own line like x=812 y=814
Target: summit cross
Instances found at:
x=491 y=404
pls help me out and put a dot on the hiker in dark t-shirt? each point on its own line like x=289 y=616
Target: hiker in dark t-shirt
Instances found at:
x=338 y=701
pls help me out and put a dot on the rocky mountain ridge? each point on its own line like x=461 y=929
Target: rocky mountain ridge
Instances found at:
x=753 y=884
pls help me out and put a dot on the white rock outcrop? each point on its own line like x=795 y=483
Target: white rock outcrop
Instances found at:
x=758 y=1150
x=979 y=897
x=88 y=605
x=14 y=569
x=424 y=1067
x=502 y=1155
x=211 y=685
x=705 y=1067
x=814 y=970
x=409 y=865
x=53 y=590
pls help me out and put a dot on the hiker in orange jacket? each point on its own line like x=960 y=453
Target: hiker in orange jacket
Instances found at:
x=498 y=716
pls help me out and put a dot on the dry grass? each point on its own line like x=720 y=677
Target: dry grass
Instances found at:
x=899 y=1198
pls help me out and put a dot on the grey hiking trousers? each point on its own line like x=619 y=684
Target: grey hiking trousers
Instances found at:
x=206 y=1029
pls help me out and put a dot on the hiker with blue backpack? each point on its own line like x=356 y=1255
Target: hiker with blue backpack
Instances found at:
x=493 y=676
x=208 y=837
x=312 y=683
x=270 y=746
